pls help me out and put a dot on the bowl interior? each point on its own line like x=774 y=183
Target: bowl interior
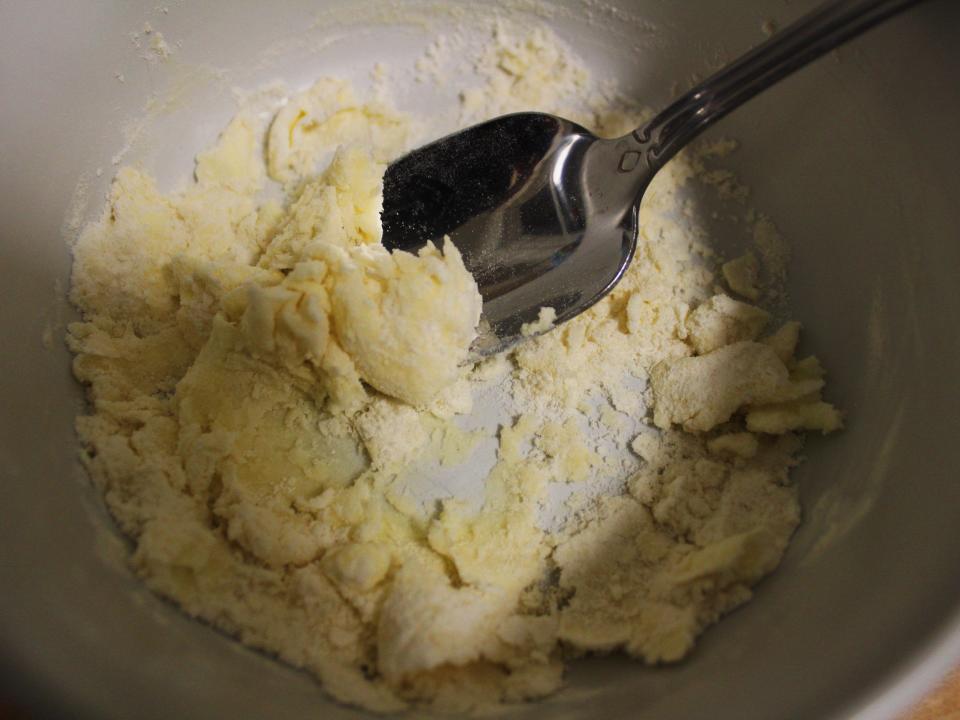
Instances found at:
x=854 y=158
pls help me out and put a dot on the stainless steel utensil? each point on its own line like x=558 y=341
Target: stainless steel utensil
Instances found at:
x=545 y=213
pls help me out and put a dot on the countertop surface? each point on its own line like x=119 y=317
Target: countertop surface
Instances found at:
x=942 y=704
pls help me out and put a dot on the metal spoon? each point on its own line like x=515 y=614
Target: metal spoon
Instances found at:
x=545 y=213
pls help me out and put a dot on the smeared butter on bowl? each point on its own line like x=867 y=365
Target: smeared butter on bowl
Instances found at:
x=281 y=414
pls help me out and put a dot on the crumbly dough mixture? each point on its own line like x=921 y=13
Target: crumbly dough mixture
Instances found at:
x=267 y=382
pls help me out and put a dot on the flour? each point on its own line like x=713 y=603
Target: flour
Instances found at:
x=283 y=422
x=152 y=45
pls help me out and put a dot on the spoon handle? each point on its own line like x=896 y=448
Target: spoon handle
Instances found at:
x=813 y=35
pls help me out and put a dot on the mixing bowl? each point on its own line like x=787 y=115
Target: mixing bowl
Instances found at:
x=855 y=158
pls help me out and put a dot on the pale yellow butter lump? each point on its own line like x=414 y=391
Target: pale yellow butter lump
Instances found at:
x=784 y=341
x=701 y=392
x=406 y=320
x=721 y=321
x=545 y=320
x=326 y=115
x=339 y=207
x=733 y=373
x=426 y=623
x=741 y=444
x=779 y=418
x=742 y=276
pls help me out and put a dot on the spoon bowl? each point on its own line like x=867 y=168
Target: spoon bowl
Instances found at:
x=526 y=199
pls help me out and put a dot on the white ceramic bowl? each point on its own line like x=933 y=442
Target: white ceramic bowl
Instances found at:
x=857 y=159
